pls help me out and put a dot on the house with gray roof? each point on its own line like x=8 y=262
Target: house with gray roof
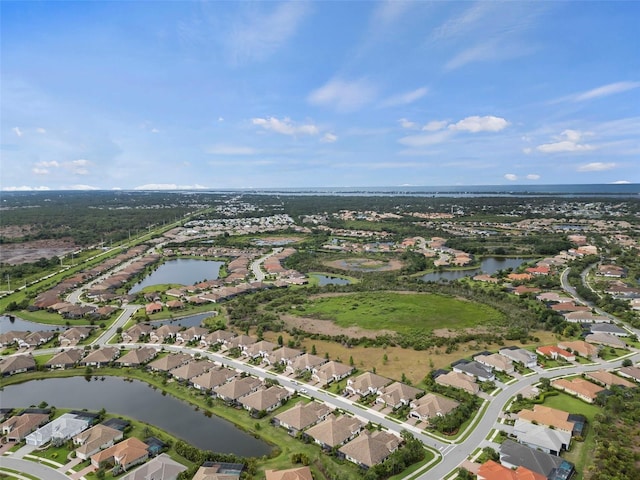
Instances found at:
x=609 y=328
x=65 y=359
x=162 y=467
x=520 y=355
x=475 y=370
x=16 y=364
x=513 y=455
x=541 y=437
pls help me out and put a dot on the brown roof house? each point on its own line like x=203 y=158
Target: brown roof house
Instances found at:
x=72 y=336
x=126 y=454
x=164 y=364
x=16 y=364
x=497 y=362
x=95 y=439
x=370 y=448
x=219 y=336
x=191 y=334
x=608 y=379
x=305 y=362
x=458 y=380
x=100 y=357
x=18 y=427
x=65 y=359
x=163 y=333
x=334 y=431
x=213 y=378
x=331 y=371
x=301 y=416
x=298 y=473
x=260 y=349
x=580 y=347
x=134 y=333
x=265 y=399
x=430 y=406
x=551 y=417
x=366 y=384
x=578 y=387
x=282 y=355
x=397 y=395
x=137 y=357
x=630 y=372
x=232 y=391
x=192 y=369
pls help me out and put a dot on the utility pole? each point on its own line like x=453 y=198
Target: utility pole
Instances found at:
x=8 y=282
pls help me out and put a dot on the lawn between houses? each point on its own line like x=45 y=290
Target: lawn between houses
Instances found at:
x=400 y=312
x=287 y=446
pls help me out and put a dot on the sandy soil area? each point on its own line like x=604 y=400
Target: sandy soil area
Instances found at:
x=27 y=252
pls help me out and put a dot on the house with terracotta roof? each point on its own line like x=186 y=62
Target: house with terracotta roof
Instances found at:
x=458 y=380
x=569 y=307
x=301 y=416
x=553 y=352
x=65 y=359
x=491 y=470
x=95 y=439
x=585 y=317
x=578 y=387
x=330 y=372
x=520 y=277
x=126 y=454
x=370 y=448
x=607 y=379
x=551 y=417
x=18 y=427
x=538 y=270
x=334 y=431
x=366 y=383
x=431 y=405
x=397 y=395
x=580 y=347
x=151 y=308
x=298 y=473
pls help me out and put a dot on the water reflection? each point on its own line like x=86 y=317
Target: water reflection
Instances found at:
x=489 y=265
x=183 y=271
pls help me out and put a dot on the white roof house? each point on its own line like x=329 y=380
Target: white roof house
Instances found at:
x=62 y=428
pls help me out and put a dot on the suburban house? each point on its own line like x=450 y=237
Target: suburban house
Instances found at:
x=609 y=328
x=305 y=362
x=137 y=357
x=169 y=362
x=330 y=372
x=72 y=336
x=431 y=405
x=605 y=339
x=608 y=379
x=151 y=308
x=58 y=431
x=513 y=455
x=551 y=417
x=580 y=347
x=334 y=431
x=126 y=454
x=95 y=439
x=458 y=380
x=162 y=467
x=219 y=336
x=474 y=369
x=35 y=339
x=491 y=470
x=100 y=357
x=397 y=395
x=301 y=416
x=299 y=473
x=365 y=384
x=191 y=334
x=219 y=471
x=18 y=427
x=520 y=355
x=370 y=448
x=241 y=342
x=163 y=333
x=265 y=399
x=630 y=372
x=542 y=437
x=213 y=378
x=282 y=355
x=11 y=337
x=65 y=359
x=16 y=364
x=585 y=317
x=553 y=352
x=260 y=349
x=578 y=387
x=495 y=361
x=191 y=369
x=134 y=333
x=237 y=388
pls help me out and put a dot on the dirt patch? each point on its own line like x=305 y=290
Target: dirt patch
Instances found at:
x=327 y=327
x=365 y=265
x=27 y=252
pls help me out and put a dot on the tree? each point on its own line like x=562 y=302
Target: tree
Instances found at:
x=280 y=340
x=313 y=350
x=627 y=362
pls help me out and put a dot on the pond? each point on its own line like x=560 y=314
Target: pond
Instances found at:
x=488 y=265
x=190 y=321
x=9 y=323
x=183 y=271
x=329 y=280
x=137 y=400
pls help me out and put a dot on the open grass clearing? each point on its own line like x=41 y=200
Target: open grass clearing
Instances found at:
x=400 y=312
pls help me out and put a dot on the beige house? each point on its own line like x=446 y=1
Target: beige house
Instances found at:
x=366 y=384
x=126 y=454
x=95 y=439
x=137 y=357
x=265 y=399
x=237 y=388
x=430 y=406
x=305 y=362
x=397 y=394
x=495 y=361
x=578 y=387
x=608 y=379
x=66 y=359
x=458 y=380
x=334 y=431
x=301 y=416
x=191 y=369
x=330 y=372
x=370 y=448
x=169 y=362
x=551 y=417
x=580 y=347
x=213 y=378
x=100 y=357
x=299 y=473
x=18 y=427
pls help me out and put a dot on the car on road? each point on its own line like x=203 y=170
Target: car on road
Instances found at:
x=304 y=390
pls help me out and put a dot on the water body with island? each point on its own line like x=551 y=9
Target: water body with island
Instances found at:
x=183 y=271
x=489 y=265
x=137 y=400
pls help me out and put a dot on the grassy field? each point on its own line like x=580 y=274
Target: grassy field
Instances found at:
x=398 y=312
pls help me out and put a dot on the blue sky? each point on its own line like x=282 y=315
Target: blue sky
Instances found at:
x=306 y=94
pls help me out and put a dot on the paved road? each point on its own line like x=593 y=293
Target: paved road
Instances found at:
x=36 y=469
x=256 y=265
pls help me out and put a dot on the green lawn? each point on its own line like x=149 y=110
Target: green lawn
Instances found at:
x=570 y=404
x=404 y=313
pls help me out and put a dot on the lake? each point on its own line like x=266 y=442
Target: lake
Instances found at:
x=190 y=321
x=329 y=280
x=17 y=324
x=489 y=265
x=183 y=271
x=137 y=400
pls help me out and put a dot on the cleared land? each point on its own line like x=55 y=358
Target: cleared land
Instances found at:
x=398 y=312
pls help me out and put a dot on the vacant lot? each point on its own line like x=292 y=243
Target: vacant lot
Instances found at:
x=399 y=312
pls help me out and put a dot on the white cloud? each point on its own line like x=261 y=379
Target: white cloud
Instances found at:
x=285 y=126
x=50 y=164
x=511 y=177
x=426 y=139
x=17 y=131
x=408 y=124
x=25 y=188
x=567 y=141
x=344 y=96
x=41 y=130
x=405 y=98
x=329 y=138
x=223 y=149
x=261 y=34
x=435 y=125
x=533 y=176
x=606 y=90
x=462 y=23
x=78 y=167
x=39 y=171
x=81 y=187
x=168 y=186
x=477 y=124
x=621 y=182
x=596 y=167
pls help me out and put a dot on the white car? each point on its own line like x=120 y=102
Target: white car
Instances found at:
x=304 y=390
